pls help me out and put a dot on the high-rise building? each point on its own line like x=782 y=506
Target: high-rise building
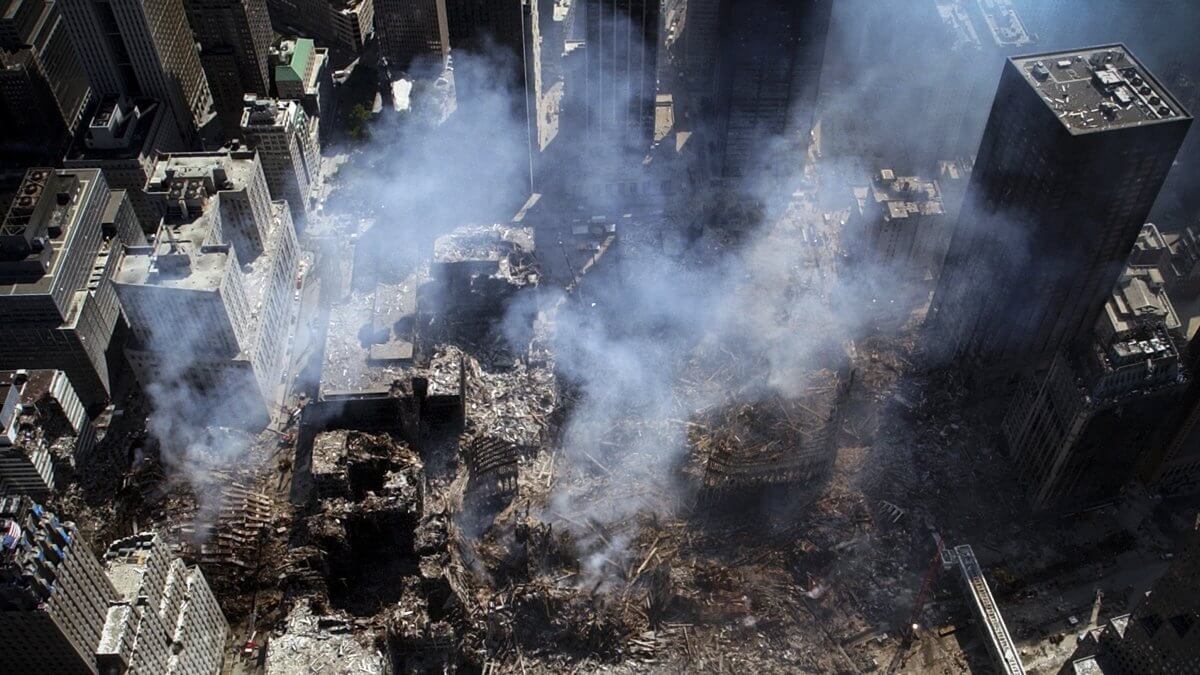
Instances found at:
x=209 y=302
x=54 y=596
x=408 y=29
x=900 y=222
x=768 y=73
x=143 y=48
x=235 y=42
x=122 y=138
x=344 y=25
x=697 y=50
x=1076 y=148
x=302 y=74
x=494 y=49
x=43 y=88
x=287 y=145
x=165 y=618
x=1079 y=431
x=56 y=262
x=620 y=72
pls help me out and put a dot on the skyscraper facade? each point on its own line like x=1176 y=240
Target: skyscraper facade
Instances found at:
x=768 y=71
x=43 y=88
x=235 y=43
x=54 y=595
x=407 y=29
x=620 y=72
x=1075 y=150
x=142 y=48
x=288 y=147
x=56 y=266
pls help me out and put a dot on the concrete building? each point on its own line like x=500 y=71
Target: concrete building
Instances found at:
x=408 y=29
x=621 y=73
x=54 y=595
x=1077 y=142
x=1079 y=431
x=901 y=223
x=143 y=48
x=43 y=88
x=344 y=25
x=209 y=301
x=235 y=42
x=302 y=74
x=231 y=182
x=288 y=146
x=123 y=138
x=164 y=619
x=56 y=262
x=768 y=72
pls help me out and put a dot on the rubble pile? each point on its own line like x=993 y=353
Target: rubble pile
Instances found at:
x=313 y=643
x=357 y=537
x=514 y=404
x=771 y=441
x=230 y=548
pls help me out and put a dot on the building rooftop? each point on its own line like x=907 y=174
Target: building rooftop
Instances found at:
x=178 y=173
x=120 y=128
x=1140 y=296
x=40 y=225
x=294 y=56
x=1004 y=23
x=1099 y=89
x=905 y=196
x=182 y=254
x=260 y=113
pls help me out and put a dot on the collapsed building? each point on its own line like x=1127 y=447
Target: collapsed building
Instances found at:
x=475 y=274
x=777 y=445
x=209 y=301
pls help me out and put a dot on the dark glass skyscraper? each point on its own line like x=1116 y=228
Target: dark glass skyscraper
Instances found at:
x=1074 y=153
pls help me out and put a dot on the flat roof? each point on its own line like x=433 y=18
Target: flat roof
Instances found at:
x=147 y=109
x=238 y=165
x=67 y=216
x=1099 y=89
x=140 y=265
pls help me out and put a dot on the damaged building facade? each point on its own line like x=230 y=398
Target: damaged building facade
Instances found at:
x=64 y=612
x=209 y=302
x=164 y=618
x=42 y=423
